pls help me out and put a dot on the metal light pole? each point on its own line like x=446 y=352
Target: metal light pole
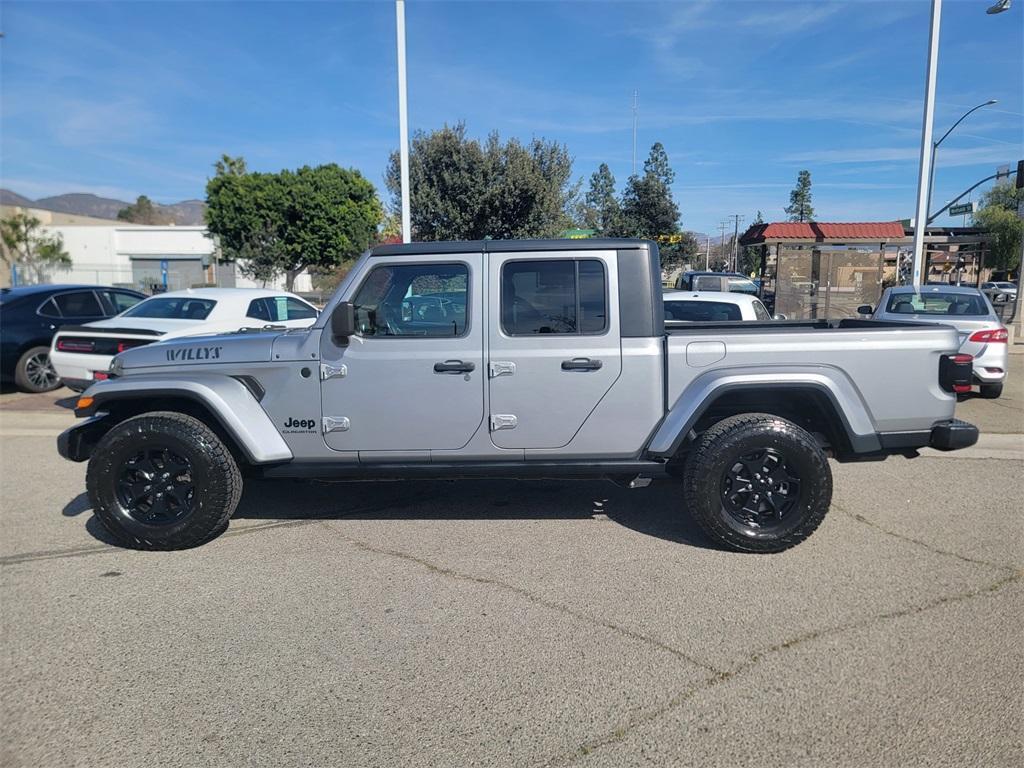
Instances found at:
x=634 y=129
x=935 y=146
x=707 y=256
x=924 y=172
x=403 y=121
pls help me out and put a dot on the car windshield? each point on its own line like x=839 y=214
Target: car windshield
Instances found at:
x=936 y=303
x=172 y=308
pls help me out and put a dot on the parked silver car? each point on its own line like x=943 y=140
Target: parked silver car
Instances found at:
x=981 y=333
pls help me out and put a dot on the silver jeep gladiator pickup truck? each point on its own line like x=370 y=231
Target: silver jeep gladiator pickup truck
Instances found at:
x=515 y=359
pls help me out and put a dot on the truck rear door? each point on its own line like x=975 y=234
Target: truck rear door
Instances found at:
x=553 y=343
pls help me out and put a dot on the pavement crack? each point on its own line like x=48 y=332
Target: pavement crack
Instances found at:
x=536 y=599
x=918 y=542
x=754 y=659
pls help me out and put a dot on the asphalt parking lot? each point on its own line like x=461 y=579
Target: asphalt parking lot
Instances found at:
x=515 y=623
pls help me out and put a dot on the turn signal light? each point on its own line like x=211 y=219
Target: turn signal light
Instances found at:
x=83 y=403
x=995 y=336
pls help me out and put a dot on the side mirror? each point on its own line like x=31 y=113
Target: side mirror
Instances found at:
x=343 y=320
x=779 y=316
x=864 y=309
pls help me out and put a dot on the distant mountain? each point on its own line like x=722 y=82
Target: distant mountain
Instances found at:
x=187 y=212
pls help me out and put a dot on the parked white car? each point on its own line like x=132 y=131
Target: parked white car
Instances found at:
x=81 y=354
x=713 y=307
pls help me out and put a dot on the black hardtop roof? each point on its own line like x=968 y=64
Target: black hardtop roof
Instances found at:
x=499 y=246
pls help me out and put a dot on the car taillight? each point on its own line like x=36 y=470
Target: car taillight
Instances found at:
x=100 y=375
x=74 y=345
x=123 y=345
x=993 y=336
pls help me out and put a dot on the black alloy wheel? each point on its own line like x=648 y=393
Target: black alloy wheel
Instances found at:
x=156 y=487
x=759 y=489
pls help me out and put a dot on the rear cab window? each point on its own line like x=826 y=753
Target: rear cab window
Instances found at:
x=702 y=311
x=554 y=296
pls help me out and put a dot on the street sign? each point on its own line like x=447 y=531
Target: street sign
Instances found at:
x=962 y=209
x=1002 y=172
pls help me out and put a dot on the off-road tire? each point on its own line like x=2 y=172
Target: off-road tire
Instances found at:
x=24 y=377
x=215 y=476
x=720 y=447
x=991 y=391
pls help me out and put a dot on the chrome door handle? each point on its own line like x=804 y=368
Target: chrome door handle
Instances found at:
x=581 y=364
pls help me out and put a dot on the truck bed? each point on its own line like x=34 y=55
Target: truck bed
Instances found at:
x=888 y=370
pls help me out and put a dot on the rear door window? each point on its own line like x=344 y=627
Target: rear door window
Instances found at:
x=707 y=283
x=79 y=304
x=554 y=296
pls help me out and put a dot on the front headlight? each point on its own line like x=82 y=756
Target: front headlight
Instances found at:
x=116 y=366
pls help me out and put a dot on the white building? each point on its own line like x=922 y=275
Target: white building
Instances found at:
x=145 y=257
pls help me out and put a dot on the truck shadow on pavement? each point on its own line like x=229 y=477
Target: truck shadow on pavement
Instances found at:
x=656 y=511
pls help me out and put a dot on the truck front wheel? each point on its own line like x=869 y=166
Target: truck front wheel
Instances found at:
x=163 y=480
x=757 y=483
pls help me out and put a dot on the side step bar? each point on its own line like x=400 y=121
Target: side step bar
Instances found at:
x=489 y=469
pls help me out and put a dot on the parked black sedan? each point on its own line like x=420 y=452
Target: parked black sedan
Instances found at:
x=29 y=316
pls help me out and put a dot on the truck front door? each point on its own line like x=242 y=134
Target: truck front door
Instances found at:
x=413 y=377
x=554 y=350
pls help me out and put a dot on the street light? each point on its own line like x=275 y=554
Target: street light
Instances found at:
x=935 y=146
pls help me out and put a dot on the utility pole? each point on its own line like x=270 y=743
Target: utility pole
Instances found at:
x=924 y=170
x=635 y=95
x=707 y=255
x=736 y=241
x=722 y=227
x=403 y=121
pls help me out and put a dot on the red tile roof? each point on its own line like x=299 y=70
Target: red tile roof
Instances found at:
x=823 y=230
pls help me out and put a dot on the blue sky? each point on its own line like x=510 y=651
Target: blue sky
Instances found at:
x=134 y=98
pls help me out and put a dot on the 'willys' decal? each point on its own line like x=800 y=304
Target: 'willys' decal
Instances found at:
x=193 y=353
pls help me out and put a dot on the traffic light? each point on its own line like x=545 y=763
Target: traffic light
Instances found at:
x=1020 y=174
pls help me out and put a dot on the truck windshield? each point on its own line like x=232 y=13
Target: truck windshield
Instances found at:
x=172 y=308
x=936 y=303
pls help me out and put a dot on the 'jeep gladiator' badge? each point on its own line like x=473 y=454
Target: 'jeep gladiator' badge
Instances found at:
x=299 y=425
x=193 y=353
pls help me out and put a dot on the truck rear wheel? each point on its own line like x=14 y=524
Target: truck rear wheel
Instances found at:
x=163 y=480
x=757 y=483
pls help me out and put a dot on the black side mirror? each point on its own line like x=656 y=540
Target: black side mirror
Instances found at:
x=343 y=320
x=864 y=309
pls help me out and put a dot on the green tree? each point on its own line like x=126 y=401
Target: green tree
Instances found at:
x=30 y=248
x=600 y=210
x=800 y=208
x=649 y=211
x=142 y=211
x=750 y=255
x=285 y=223
x=998 y=216
x=461 y=189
